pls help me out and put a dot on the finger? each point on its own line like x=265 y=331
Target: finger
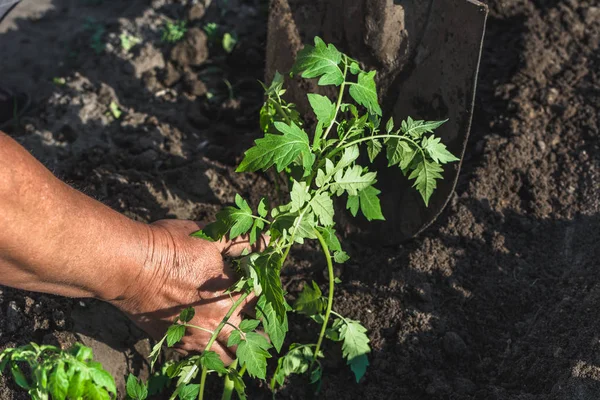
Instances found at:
x=236 y=247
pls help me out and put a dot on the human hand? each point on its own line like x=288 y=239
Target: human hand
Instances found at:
x=181 y=272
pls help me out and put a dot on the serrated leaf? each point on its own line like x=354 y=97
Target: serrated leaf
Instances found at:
x=249 y=325
x=322 y=178
x=311 y=300
x=425 y=175
x=255 y=231
x=278 y=150
x=322 y=206
x=210 y=360
x=330 y=237
x=262 y=208
x=268 y=266
x=400 y=152
x=174 y=334
x=320 y=61
x=415 y=129
x=373 y=149
x=103 y=379
x=136 y=389
x=369 y=204
x=155 y=353
x=355 y=347
x=437 y=151
x=82 y=353
x=77 y=385
x=58 y=383
x=187 y=314
x=299 y=195
x=323 y=108
x=340 y=257
x=352 y=180
x=364 y=92
x=235 y=338
x=93 y=392
x=348 y=157
x=274 y=327
x=389 y=127
x=353 y=204
x=188 y=392
x=253 y=353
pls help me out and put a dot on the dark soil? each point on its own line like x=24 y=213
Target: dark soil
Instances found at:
x=497 y=300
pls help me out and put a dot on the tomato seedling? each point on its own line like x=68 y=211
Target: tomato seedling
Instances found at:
x=314 y=172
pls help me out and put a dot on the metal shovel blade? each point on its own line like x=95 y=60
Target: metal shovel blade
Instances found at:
x=427 y=57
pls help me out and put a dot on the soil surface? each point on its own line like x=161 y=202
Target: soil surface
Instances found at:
x=497 y=300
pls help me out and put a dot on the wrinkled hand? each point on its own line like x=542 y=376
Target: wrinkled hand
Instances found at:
x=180 y=272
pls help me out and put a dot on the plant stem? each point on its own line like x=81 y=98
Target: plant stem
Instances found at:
x=198 y=327
x=329 y=296
x=229 y=386
x=339 y=101
x=234 y=307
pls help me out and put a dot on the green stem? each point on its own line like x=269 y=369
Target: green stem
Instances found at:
x=329 y=296
x=229 y=385
x=281 y=112
x=234 y=307
x=339 y=101
x=198 y=327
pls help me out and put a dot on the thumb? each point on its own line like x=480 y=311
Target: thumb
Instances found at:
x=235 y=247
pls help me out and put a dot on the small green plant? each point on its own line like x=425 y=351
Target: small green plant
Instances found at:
x=58 y=81
x=57 y=374
x=114 y=110
x=174 y=31
x=229 y=41
x=315 y=172
x=128 y=41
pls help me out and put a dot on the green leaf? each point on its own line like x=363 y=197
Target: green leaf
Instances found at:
x=93 y=392
x=82 y=353
x=155 y=353
x=253 y=353
x=311 y=300
x=297 y=360
x=320 y=61
x=262 y=208
x=352 y=180
x=299 y=195
x=235 y=338
x=136 y=389
x=330 y=237
x=77 y=385
x=188 y=392
x=389 y=127
x=364 y=92
x=437 y=151
x=267 y=266
x=274 y=327
x=201 y=235
x=340 y=257
x=354 y=68
x=369 y=204
x=103 y=379
x=323 y=108
x=211 y=360
x=425 y=175
x=322 y=206
x=238 y=384
x=19 y=377
x=174 y=334
x=187 y=314
x=278 y=150
x=249 y=325
x=353 y=204
x=415 y=129
x=255 y=231
x=355 y=347
x=400 y=152
x=373 y=149
x=229 y=41
x=240 y=219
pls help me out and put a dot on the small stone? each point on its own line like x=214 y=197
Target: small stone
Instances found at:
x=454 y=345
x=14 y=318
x=193 y=50
x=551 y=96
x=542 y=145
x=591 y=14
x=196 y=12
x=171 y=75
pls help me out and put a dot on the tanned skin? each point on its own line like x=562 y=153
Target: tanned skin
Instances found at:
x=54 y=239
